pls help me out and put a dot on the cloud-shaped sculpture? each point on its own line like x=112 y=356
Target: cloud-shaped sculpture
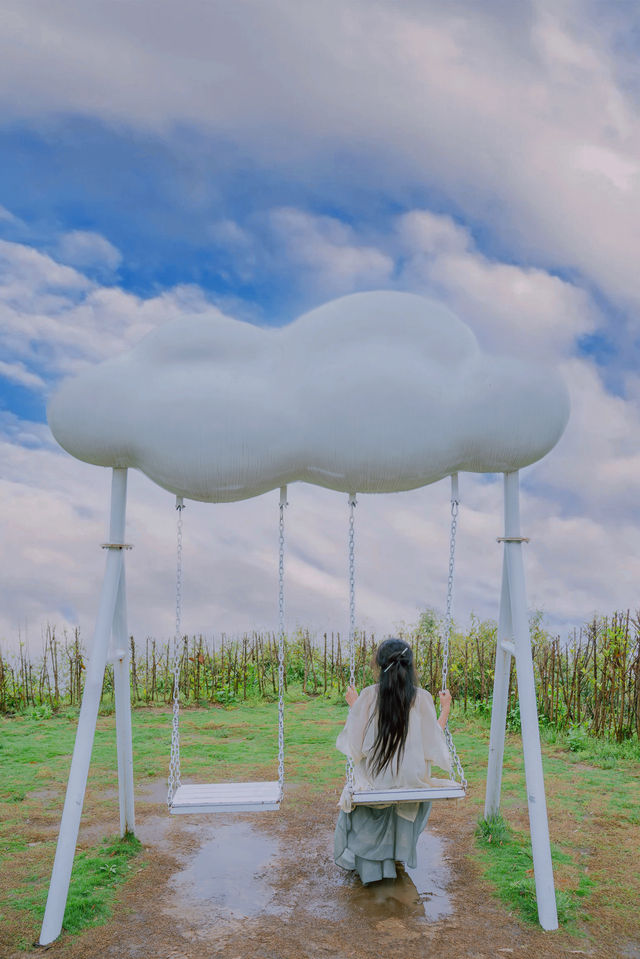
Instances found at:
x=373 y=392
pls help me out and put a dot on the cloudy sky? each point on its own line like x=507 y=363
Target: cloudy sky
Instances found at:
x=163 y=160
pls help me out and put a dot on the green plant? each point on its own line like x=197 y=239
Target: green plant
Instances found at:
x=484 y=708
x=42 y=711
x=493 y=829
x=96 y=873
x=514 y=721
x=577 y=739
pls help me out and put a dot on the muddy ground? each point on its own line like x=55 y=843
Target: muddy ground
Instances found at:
x=266 y=887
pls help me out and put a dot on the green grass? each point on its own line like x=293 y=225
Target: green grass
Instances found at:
x=604 y=753
x=508 y=863
x=96 y=874
x=240 y=740
x=592 y=801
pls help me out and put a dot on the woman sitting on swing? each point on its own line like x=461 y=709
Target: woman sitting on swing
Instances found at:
x=393 y=736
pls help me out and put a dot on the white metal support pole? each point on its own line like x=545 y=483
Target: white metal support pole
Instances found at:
x=538 y=823
x=72 y=811
x=123 y=709
x=500 y=695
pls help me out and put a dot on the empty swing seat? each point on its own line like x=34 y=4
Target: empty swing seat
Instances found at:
x=445 y=789
x=227 y=797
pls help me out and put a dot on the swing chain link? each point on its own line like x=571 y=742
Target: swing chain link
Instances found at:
x=281 y=634
x=352 y=592
x=352 y=615
x=459 y=771
x=174 y=762
x=448 y=627
x=448 y=620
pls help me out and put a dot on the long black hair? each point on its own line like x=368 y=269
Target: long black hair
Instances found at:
x=396 y=694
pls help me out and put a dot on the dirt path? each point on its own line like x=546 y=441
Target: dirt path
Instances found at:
x=266 y=886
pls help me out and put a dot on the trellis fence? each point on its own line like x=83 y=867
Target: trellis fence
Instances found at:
x=590 y=680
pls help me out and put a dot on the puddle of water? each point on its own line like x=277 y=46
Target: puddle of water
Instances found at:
x=420 y=893
x=431 y=877
x=239 y=872
x=231 y=873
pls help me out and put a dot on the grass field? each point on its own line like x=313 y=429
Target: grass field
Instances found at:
x=592 y=794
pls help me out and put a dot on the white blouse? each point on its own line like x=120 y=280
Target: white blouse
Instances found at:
x=425 y=744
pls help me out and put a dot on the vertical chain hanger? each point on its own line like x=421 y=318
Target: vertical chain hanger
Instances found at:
x=352 y=613
x=174 y=762
x=281 y=634
x=448 y=619
x=352 y=590
x=448 y=625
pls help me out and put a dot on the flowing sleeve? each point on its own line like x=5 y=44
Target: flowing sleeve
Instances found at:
x=351 y=738
x=433 y=738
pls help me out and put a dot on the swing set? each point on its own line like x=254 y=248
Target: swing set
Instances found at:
x=225 y=797
x=263 y=796
x=505 y=414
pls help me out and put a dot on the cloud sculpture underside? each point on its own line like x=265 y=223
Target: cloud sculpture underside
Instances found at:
x=375 y=393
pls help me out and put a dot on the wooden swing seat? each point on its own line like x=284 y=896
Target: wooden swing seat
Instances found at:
x=226 y=797
x=443 y=789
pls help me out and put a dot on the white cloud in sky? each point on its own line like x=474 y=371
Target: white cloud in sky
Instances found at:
x=328 y=252
x=598 y=459
x=18 y=373
x=84 y=248
x=7 y=216
x=515 y=114
x=54 y=320
x=510 y=307
x=514 y=307
x=27 y=276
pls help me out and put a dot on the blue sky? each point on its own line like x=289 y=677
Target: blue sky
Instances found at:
x=262 y=159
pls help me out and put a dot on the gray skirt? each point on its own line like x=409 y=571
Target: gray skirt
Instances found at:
x=371 y=840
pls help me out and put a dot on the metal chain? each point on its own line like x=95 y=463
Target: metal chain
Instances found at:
x=448 y=624
x=448 y=619
x=459 y=771
x=281 y=634
x=174 y=762
x=352 y=591
x=352 y=615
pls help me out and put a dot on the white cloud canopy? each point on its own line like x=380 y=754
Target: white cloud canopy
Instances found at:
x=373 y=392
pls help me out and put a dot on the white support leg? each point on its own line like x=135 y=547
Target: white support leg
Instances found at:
x=500 y=695
x=538 y=823
x=68 y=835
x=123 y=710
